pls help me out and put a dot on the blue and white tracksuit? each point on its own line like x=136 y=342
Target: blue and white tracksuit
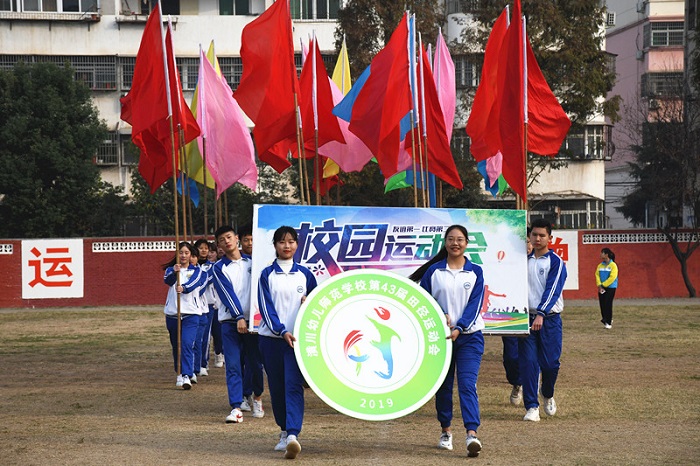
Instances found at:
x=253 y=381
x=281 y=288
x=460 y=294
x=191 y=279
x=541 y=350
x=212 y=314
x=203 y=321
x=232 y=284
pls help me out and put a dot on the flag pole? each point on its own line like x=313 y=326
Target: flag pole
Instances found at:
x=300 y=148
x=314 y=102
x=424 y=147
x=174 y=161
x=412 y=114
x=204 y=144
x=523 y=202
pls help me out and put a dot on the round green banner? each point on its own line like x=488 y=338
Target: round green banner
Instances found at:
x=372 y=344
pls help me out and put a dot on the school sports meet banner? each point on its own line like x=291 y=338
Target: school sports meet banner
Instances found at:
x=334 y=239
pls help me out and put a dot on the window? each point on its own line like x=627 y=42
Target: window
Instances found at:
x=108 y=151
x=126 y=71
x=460 y=144
x=663 y=34
x=188 y=68
x=587 y=143
x=232 y=70
x=170 y=7
x=234 y=7
x=314 y=9
x=129 y=152
x=467 y=71
x=610 y=19
x=662 y=85
x=464 y=6
x=571 y=214
x=99 y=73
x=50 y=6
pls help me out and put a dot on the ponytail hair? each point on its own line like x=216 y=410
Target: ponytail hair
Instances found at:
x=441 y=255
x=610 y=254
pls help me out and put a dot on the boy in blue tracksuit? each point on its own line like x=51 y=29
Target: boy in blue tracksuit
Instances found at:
x=541 y=350
x=232 y=274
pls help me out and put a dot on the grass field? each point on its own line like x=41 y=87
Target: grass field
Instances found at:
x=96 y=386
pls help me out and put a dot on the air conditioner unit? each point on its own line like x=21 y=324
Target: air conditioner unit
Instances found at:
x=610 y=19
x=640 y=54
x=641 y=6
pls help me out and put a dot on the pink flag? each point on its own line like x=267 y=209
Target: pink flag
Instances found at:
x=230 y=156
x=444 y=74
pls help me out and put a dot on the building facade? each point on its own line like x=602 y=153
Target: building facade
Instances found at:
x=648 y=38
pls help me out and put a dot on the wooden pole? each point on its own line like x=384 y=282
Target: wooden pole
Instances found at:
x=204 y=177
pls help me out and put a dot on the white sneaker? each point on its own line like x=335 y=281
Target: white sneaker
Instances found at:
x=608 y=326
x=179 y=381
x=186 y=383
x=516 y=395
x=550 y=406
x=218 y=360
x=203 y=372
x=473 y=446
x=282 y=444
x=193 y=379
x=445 y=442
x=258 y=411
x=235 y=417
x=293 y=447
x=245 y=404
x=533 y=414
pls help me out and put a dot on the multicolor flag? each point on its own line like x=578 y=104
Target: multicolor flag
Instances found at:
x=384 y=100
x=194 y=163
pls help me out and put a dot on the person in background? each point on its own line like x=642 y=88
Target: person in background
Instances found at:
x=606 y=281
x=216 y=253
x=458 y=286
x=190 y=279
x=282 y=288
x=204 y=331
x=541 y=350
x=232 y=282
x=253 y=384
x=510 y=355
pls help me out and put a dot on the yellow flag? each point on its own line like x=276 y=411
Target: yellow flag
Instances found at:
x=341 y=78
x=194 y=164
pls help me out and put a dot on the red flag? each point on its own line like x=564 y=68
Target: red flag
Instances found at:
x=547 y=122
x=486 y=94
x=440 y=160
x=510 y=103
x=384 y=100
x=145 y=107
x=317 y=102
x=269 y=81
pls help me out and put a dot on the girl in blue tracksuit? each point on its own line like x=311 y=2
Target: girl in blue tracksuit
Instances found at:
x=282 y=288
x=606 y=281
x=458 y=286
x=202 y=339
x=191 y=279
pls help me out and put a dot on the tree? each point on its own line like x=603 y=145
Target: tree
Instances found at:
x=155 y=212
x=667 y=170
x=50 y=132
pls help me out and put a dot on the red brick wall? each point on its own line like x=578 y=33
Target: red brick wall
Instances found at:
x=646 y=270
x=135 y=278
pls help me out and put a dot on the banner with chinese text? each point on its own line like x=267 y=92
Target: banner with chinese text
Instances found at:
x=334 y=239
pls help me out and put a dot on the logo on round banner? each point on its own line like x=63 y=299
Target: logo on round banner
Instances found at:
x=372 y=344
